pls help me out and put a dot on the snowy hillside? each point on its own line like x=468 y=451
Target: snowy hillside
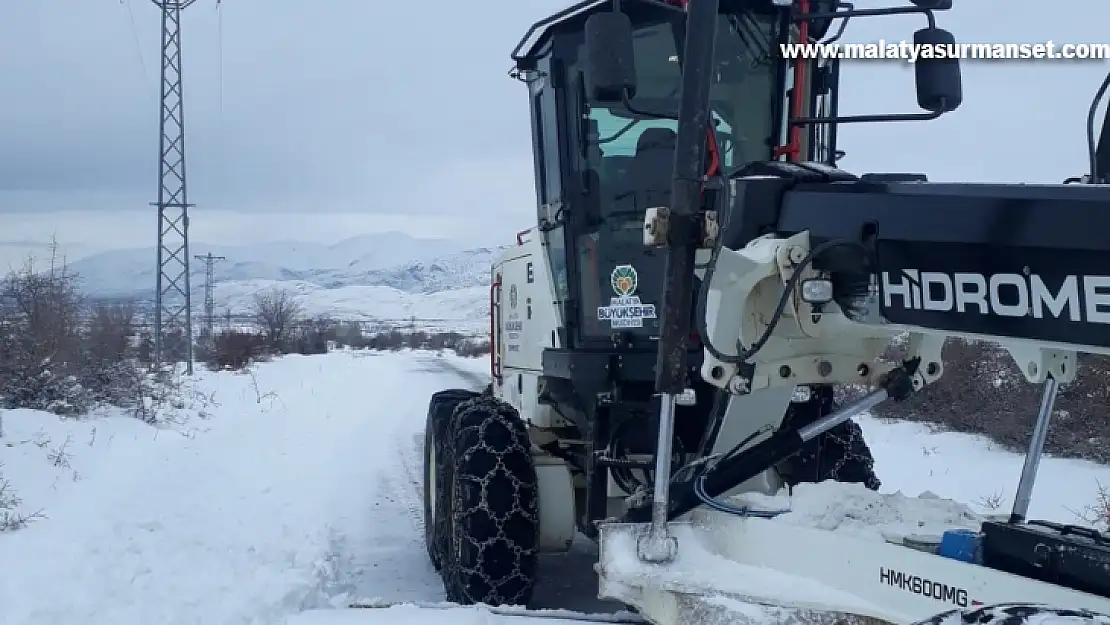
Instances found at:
x=390 y=259
x=460 y=270
x=147 y=526
x=375 y=277
x=465 y=308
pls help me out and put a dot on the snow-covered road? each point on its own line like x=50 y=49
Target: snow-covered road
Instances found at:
x=299 y=494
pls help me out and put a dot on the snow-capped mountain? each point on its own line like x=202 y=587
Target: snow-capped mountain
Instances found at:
x=366 y=259
x=457 y=309
x=385 y=276
x=463 y=269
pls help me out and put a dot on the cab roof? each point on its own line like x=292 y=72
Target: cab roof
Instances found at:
x=525 y=51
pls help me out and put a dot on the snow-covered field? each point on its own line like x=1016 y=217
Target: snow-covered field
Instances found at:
x=297 y=488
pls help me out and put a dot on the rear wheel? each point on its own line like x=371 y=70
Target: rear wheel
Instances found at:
x=494 y=535
x=840 y=454
x=436 y=496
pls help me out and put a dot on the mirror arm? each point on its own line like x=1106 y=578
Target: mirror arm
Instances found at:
x=850 y=119
x=831 y=15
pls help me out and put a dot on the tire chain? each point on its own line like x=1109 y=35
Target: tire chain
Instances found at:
x=840 y=454
x=1014 y=614
x=494 y=513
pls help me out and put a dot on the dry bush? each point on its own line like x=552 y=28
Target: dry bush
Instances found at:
x=110 y=331
x=473 y=348
x=311 y=337
x=393 y=340
x=56 y=352
x=234 y=350
x=350 y=334
x=11 y=518
x=1097 y=514
x=396 y=340
x=277 y=311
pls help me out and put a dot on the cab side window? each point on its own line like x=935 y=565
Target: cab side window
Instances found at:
x=549 y=182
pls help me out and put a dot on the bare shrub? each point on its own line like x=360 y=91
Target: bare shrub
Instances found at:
x=110 y=331
x=393 y=340
x=312 y=336
x=11 y=518
x=416 y=340
x=472 y=348
x=396 y=340
x=40 y=340
x=350 y=334
x=1097 y=513
x=277 y=310
x=59 y=353
x=234 y=350
x=991 y=502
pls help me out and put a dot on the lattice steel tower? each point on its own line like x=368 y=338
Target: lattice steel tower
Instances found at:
x=209 y=292
x=173 y=315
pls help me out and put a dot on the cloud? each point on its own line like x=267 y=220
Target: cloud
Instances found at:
x=285 y=100
x=348 y=114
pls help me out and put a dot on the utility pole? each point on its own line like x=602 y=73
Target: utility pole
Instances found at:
x=209 y=292
x=173 y=297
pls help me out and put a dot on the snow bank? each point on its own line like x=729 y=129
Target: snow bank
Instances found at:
x=855 y=510
x=300 y=491
x=913 y=458
x=297 y=492
x=696 y=567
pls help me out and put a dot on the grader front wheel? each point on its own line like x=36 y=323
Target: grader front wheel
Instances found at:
x=437 y=474
x=493 y=540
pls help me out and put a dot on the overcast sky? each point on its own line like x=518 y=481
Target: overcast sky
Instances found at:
x=317 y=120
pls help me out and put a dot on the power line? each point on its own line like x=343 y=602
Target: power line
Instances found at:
x=173 y=297
x=220 y=52
x=137 y=40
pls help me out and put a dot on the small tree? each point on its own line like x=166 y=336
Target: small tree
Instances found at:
x=110 y=331
x=277 y=310
x=40 y=339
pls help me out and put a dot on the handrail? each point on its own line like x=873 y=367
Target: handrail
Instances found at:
x=494 y=309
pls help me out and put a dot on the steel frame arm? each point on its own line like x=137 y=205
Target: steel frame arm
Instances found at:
x=846 y=266
x=1025 y=266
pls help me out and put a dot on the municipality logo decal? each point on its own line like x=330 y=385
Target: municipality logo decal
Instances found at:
x=624 y=280
x=625 y=310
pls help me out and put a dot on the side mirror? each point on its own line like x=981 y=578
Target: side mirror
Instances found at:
x=610 y=61
x=939 y=85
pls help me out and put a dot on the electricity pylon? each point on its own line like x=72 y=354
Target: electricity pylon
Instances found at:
x=209 y=292
x=173 y=297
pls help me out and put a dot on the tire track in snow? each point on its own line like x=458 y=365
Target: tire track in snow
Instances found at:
x=388 y=558
x=411 y=446
x=411 y=491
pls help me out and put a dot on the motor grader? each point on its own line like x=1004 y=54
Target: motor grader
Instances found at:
x=701 y=276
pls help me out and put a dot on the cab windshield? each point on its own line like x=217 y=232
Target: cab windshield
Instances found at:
x=629 y=156
x=633 y=152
